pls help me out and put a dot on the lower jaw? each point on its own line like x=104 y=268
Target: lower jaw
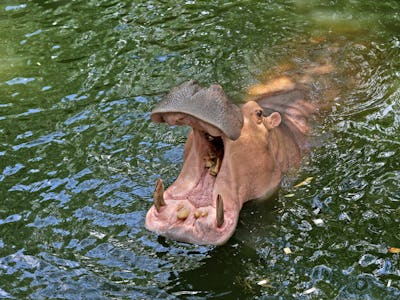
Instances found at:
x=197 y=216
x=201 y=229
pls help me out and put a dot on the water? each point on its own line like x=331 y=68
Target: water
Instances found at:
x=79 y=156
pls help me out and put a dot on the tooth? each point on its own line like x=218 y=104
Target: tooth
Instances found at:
x=183 y=213
x=158 y=195
x=208 y=162
x=197 y=214
x=215 y=168
x=220 y=211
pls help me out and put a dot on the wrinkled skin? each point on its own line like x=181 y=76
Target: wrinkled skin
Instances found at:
x=229 y=158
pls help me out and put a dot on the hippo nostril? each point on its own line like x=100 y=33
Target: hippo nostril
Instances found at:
x=158 y=195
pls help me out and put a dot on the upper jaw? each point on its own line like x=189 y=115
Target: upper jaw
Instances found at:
x=179 y=118
x=210 y=105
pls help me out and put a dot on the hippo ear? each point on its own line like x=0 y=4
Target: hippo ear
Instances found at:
x=273 y=120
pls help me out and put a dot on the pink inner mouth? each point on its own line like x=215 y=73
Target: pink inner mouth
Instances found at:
x=191 y=213
x=201 y=195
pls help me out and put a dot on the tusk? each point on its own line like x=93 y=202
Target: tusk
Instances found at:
x=220 y=211
x=158 y=195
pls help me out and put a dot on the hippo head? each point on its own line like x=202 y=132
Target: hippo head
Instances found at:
x=231 y=156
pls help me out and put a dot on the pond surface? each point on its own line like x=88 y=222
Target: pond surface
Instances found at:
x=79 y=157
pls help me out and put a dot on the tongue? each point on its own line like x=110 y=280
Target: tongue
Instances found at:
x=209 y=109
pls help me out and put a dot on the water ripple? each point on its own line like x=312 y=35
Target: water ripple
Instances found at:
x=53 y=137
x=104 y=219
x=10 y=219
x=79 y=157
x=15 y=7
x=20 y=80
x=44 y=222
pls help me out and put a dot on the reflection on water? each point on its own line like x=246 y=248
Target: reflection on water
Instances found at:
x=79 y=157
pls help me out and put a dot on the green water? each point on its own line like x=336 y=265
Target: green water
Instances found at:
x=79 y=157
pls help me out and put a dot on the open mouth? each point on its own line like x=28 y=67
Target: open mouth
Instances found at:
x=198 y=189
x=200 y=206
x=192 y=208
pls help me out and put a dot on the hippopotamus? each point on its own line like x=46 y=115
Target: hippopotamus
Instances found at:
x=233 y=154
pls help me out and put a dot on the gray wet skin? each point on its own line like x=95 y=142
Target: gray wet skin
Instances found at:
x=210 y=105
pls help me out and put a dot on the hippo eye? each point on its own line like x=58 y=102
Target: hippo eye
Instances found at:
x=259 y=113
